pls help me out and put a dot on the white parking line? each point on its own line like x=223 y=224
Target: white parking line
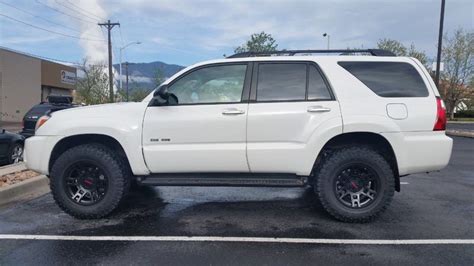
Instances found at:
x=244 y=239
x=404 y=183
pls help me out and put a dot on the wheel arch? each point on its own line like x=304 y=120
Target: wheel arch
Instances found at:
x=75 y=140
x=371 y=139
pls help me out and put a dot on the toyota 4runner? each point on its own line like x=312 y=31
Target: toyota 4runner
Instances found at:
x=348 y=125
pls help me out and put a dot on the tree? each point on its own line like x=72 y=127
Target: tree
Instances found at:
x=259 y=42
x=138 y=94
x=158 y=77
x=93 y=86
x=400 y=49
x=457 y=76
x=393 y=46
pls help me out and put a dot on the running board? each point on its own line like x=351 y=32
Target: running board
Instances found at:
x=224 y=179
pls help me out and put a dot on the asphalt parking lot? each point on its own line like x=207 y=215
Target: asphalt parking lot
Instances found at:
x=435 y=207
x=460 y=126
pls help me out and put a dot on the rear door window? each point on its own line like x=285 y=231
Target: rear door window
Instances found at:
x=317 y=88
x=388 y=79
x=281 y=82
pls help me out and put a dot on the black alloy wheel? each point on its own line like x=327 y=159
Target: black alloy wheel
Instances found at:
x=356 y=186
x=86 y=183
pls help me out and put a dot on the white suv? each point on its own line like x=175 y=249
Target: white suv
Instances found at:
x=347 y=125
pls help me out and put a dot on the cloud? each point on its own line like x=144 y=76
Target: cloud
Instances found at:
x=217 y=25
x=94 y=50
x=187 y=31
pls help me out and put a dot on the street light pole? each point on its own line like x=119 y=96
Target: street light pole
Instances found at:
x=120 y=67
x=327 y=35
x=126 y=82
x=440 y=43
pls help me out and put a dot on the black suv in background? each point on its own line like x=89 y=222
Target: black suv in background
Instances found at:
x=54 y=103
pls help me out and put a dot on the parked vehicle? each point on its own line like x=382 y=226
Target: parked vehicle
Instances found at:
x=54 y=103
x=349 y=126
x=11 y=147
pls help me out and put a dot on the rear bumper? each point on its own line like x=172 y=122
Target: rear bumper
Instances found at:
x=37 y=153
x=419 y=152
x=27 y=133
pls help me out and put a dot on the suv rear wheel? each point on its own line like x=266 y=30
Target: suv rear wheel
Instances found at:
x=89 y=181
x=355 y=184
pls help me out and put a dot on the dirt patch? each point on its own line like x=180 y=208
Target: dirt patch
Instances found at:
x=17 y=177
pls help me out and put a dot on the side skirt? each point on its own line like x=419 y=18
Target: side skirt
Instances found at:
x=224 y=179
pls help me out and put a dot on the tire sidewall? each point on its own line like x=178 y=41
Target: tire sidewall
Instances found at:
x=335 y=164
x=108 y=164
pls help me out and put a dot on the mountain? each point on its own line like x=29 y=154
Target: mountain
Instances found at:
x=143 y=74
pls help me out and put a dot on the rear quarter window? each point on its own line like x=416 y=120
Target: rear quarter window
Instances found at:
x=388 y=79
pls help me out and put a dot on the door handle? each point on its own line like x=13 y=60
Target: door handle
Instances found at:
x=318 y=109
x=233 y=112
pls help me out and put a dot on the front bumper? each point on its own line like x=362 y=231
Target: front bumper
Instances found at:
x=38 y=151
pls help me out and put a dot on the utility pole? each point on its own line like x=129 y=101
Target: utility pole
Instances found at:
x=109 y=26
x=126 y=80
x=440 y=43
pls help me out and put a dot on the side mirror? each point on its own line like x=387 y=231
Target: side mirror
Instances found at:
x=162 y=92
x=162 y=97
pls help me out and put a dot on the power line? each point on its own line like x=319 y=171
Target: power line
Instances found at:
x=121 y=36
x=64 y=13
x=114 y=50
x=50 y=31
x=45 y=19
x=75 y=10
x=78 y=7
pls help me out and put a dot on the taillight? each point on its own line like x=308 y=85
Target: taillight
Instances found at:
x=41 y=121
x=440 y=115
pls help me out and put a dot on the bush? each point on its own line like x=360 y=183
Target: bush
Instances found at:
x=464 y=114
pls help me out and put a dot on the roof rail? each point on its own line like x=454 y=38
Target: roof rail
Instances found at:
x=374 y=52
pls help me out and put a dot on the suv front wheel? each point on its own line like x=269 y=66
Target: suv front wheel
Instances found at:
x=89 y=181
x=355 y=184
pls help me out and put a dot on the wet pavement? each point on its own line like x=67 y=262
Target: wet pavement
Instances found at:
x=431 y=206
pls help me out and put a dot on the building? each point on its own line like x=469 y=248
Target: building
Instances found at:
x=27 y=80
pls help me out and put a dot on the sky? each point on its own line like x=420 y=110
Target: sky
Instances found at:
x=188 y=31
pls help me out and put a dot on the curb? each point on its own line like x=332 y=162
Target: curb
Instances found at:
x=25 y=190
x=457 y=133
x=12 y=168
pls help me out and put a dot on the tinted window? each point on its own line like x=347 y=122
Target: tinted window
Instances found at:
x=317 y=89
x=281 y=82
x=39 y=110
x=214 y=84
x=388 y=79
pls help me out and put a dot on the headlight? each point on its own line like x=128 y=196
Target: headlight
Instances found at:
x=41 y=121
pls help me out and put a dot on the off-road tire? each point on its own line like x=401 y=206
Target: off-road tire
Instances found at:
x=328 y=171
x=114 y=167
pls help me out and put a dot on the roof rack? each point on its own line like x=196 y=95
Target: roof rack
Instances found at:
x=374 y=52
